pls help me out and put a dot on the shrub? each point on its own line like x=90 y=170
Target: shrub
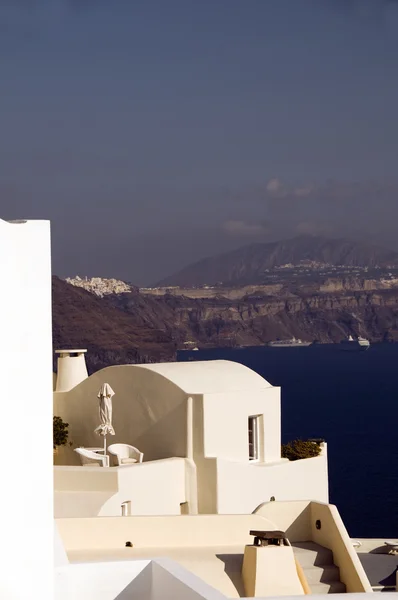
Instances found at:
x=60 y=432
x=298 y=449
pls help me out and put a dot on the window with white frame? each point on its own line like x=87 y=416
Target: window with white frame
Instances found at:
x=254 y=437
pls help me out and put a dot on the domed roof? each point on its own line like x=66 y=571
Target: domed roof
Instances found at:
x=209 y=376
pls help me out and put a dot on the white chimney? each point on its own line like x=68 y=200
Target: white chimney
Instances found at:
x=71 y=369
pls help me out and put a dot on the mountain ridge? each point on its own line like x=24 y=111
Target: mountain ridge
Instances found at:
x=247 y=264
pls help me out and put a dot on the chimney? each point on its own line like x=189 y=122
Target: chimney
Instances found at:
x=269 y=567
x=71 y=369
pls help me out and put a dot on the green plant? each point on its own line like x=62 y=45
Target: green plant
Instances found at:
x=60 y=432
x=299 y=449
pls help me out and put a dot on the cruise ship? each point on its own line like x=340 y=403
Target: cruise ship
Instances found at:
x=352 y=345
x=288 y=343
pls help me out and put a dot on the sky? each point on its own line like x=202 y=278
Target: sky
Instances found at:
x=153 y=133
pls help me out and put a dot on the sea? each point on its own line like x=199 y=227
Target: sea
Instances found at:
x=349 y=399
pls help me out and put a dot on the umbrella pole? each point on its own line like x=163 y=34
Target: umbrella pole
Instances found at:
x=104 y=445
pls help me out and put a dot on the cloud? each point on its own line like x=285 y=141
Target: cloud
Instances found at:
x=274 y=186
x=303 y=192
x=241 y=228
x=277 y=189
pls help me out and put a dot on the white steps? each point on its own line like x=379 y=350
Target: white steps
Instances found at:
x=322 y=575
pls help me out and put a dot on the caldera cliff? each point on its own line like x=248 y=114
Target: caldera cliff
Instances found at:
x=143 y=327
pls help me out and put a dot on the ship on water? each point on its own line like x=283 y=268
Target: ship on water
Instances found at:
x=352 y=345
x=292 y=343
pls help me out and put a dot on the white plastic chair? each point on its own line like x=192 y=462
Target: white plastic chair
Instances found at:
x=89 y=458
x=125 y=454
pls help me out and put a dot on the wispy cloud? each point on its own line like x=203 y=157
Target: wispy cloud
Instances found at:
x=274 y=186
x=278 y=189
x=303 y=192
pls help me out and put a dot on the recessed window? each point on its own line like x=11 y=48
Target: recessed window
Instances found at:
x=126 y=509
x=254 y=437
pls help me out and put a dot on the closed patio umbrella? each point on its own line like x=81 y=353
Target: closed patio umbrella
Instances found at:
x=105 y=412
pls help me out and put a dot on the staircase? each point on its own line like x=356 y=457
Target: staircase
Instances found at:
x=322 y=575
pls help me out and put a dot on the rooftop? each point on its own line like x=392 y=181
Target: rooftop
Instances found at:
x=220 y=566
x=209 y=377
x=380 y=567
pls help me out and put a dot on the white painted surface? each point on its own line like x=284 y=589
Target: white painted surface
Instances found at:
x=154 y=414
x=209 y=376
x=153 y=488
x=60 y=556
x=173 y=582
x=157 y=579
x=226 y=432
x=71 y=369
x=242 y=487
x=103 y=581
x=298 y=520
x=334 y=535
x=26 y=385
x=149 y=412
x=191 y=531
x=270 y=570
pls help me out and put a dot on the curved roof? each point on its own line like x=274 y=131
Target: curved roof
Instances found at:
x=209 y=376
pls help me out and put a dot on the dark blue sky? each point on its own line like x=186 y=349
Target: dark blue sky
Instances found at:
x=155 y=132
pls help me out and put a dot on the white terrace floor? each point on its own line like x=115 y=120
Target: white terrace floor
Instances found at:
x=220 y=566
x=380 y=567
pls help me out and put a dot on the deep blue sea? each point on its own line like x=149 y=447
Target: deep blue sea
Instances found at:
x=350 y=399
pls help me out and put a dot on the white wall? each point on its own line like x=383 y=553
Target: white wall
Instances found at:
x=149 y=412
x=103 y=581
x=153 y=488
x=242 y=487
x=110 y=533
x=170 y=581
x=226 y=424
x=298 y=520
x=26 y=386
x=60 y=556
x=159 y=579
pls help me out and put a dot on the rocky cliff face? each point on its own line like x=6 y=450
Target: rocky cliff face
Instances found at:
x=325 y=317
x=133 y=327
x=112 y=336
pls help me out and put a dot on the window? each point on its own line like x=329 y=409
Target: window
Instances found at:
x=254 y=436
x=126 y=509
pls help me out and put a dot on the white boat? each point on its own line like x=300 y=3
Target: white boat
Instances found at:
x=293 y=343
x=350 y=344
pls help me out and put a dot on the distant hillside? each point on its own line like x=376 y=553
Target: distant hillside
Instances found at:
x=138 y=328
x=112 y=336
x=247 y=265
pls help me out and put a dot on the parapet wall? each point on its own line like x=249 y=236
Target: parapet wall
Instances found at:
x=320 y=523
x=150 y=488
x=160 y=532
